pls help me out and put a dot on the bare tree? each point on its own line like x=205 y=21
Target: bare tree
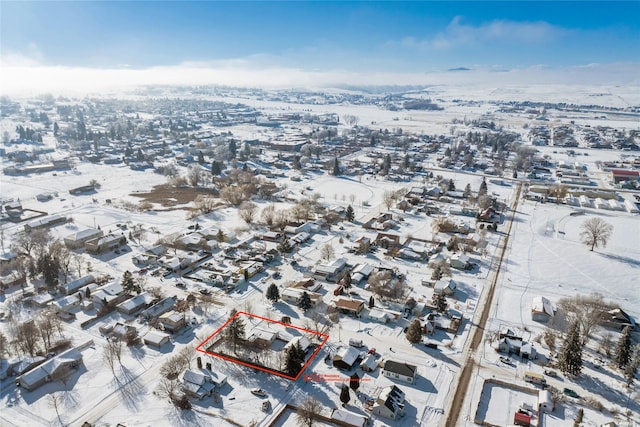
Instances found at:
x=24 y=337
x=55 y=401
x=4 y=345
x=248 y=211
x=388 y=197
x=205 y=204
x=27 y=243
x=308 y=412
x=78 y=262
x=588 y=311
x=193 y=175
x=46 y=326
x=268 y=212
x=595 y=232
x=327 y=252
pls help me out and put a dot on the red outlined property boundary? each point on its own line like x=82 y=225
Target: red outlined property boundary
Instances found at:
x=202 y=346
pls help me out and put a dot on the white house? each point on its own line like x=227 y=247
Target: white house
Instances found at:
x=389 y=403
x=202 y=382
x=400 y=371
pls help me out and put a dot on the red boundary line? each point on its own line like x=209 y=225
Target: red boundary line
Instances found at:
x=240 y=362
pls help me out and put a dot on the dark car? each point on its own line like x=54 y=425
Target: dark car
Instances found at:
x=571 y=393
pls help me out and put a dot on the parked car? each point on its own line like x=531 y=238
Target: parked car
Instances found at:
x=571 y=393
x=205 y=291
x=550 y=373
x=181 y=285
x=506 y=361
x=259 y=392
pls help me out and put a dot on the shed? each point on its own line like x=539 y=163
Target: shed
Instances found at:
x=346 y=418
x=545 y=401
x=156 y=339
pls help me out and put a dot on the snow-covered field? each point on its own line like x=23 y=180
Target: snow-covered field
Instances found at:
x=544 y=258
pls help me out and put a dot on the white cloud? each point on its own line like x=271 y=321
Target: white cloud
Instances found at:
x=458 y=34
x=32 y=56
x=29 y=79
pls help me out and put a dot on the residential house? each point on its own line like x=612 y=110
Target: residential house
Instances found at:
x=108 y=294
x=201 y=383
x=75 y=285
x=135 y=304
x=618 y=319
x=46 y=222
x=400 y=371
x=172 y=321
x=460 y=261
x=105 y=243
x=293 y=295
x=389 y=403
x=346 y=358
x=78 y=239
x=159 y=308
x=260 y=338
x=331 y=272
x=50 y=369
x=349 y=306
x=370 y=363
x=378 y=315
x=446 y=287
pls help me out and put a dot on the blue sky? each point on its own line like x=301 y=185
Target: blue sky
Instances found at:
x=353 y=36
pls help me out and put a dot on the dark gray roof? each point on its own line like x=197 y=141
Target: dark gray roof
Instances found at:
x=400 y=368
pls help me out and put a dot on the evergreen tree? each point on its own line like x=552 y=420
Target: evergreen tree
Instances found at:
x=220 y=236
x=414 y=332
x=451 y=186
x=345 y=396
x=293 y=362
x=49 y=266
x=623 y=349
x=570 y=358
x=235 y=329
x=87 y=293
x=305 y=302
x=284 y=246
x=440 y=301
x=139 y=155
x=386 y=165
x=233 y=148
x=273 y=294
x=467 y=191
x=631 y=369
x=372 y=302
x=354 y=381
x=336 y=167
x=200 y=157
x=296 y=163
x=216 y=169
x=347 y=281
x=56 y=128
x=349 y=214
x=128 y=284
x=483 y=188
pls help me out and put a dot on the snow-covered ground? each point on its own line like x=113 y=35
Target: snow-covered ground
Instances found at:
x=544 y=258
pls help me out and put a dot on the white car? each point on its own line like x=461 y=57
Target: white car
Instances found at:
x=259 y=392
